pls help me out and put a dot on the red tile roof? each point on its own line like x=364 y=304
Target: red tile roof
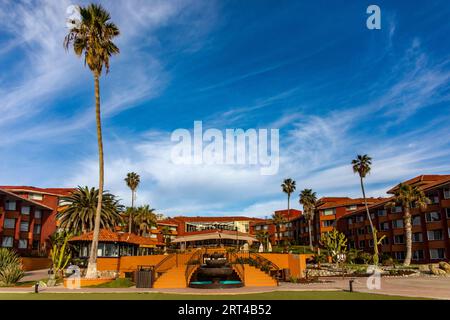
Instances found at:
x=347 y=202
x=15 y=196
x=423 y=181
x=110 y=236
x=215 y=231
x=212 y=219
x=53 y=191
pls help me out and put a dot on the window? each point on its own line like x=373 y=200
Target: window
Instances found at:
x=266 y=227
x=37 y=229
x=437 y=253
x=372 y=215
x=384 y=226
x=361 y=231
x=352 y=207
x=371 y=243
x=25 y=210
x=9 y=223
x=447 y=193
x=328 y=223
x=153 y=236
x=257 y=227
x=432 y=216
x=417 y=237
x=416 y=221
x=396 y=209
x=418 y=255
x=37 y=213
x=362 y=243
x=35 y=245
x=23 y=243
x=7 y=242
x=434 y=198
x=10 y=205
x=396 y=224
x=35 y=196
x=447 y=212
x=381 y=212
x=328 y=212
x=399 y=239
x=434 y=235
x=24 y=226
x=385 y=241
x=350 y=220
x=359 y=218
x=399 y=255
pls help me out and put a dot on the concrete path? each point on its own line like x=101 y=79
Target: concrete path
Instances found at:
x=35 y=275
x=418 y=286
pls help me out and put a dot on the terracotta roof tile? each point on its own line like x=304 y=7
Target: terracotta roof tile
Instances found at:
x=110 y=236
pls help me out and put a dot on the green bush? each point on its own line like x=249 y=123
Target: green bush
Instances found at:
x=352 y=256
x=10 y=268
x=363 y=258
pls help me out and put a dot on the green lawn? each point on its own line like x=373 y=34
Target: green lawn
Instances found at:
x=279 y=295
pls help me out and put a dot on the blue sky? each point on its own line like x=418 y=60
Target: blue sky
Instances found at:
x=310 y=68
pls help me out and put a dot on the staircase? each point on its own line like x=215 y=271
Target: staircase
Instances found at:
x=257 y=278
x=173 y=278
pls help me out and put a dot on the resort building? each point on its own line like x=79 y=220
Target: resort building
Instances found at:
x=193 y=232
x=28 y=217
x=115 y=244
x=430 y=227
x=287 y=229
x=328 y=211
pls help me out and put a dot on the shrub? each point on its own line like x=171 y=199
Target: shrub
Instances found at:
x=352 y=256
x=10 y=268
x=363 y=258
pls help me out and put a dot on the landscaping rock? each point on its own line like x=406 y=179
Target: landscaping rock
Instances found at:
x=436 y=271
x=444 y=266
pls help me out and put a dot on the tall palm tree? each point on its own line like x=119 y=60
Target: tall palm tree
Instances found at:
x=166 y=233
x=92 y=37
x=278 y=220
x=362 y=165
x=144 y=219
x=288 y=187
x=132 y=180
x=80 y=213
x=408 y=197
x=308 y=199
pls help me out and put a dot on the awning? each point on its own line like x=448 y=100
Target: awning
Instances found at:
x=214 y=236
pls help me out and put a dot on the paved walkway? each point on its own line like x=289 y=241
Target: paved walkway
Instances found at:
x=423 y=286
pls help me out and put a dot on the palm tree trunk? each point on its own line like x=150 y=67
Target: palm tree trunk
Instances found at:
x=130 y=218
x=289 y=214
x=92 y=264
x=310 y=235
x=408 y=233
x=374 y=231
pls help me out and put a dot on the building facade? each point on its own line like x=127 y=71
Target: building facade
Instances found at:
x=287 y=229
x=430 y=227
x=328 y=211
x=28 y=217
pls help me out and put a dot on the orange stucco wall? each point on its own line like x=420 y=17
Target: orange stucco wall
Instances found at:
x=127 y=264
x=29 y=264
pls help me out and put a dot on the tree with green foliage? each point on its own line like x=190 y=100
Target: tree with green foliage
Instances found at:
x=308 y=200
x=92 y=37
x=144 y=219
x=362 y=166
x=278 y=220
x=132 y=180
x=408 y=197
x=79 y=215
x=288 y=187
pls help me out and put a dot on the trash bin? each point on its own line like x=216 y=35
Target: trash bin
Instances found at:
x=144 y=277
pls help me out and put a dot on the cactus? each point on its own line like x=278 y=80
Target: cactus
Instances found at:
x=335 y=242
x=60 y=254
